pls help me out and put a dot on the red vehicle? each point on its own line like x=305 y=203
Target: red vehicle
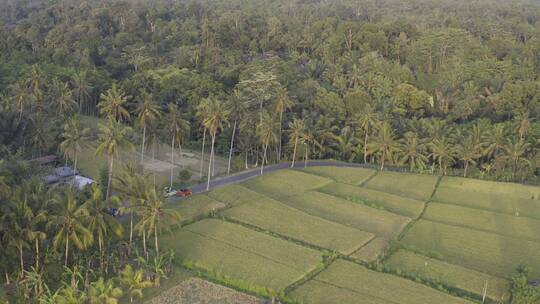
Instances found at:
x=184 y=192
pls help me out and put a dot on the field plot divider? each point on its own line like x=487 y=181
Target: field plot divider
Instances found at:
x=413 y=221
x=274 y=234
x=312 y=274
x=362 y=184
x=361 y=246
x=242 y=249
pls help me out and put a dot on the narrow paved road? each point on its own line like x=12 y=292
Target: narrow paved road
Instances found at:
x=245 y=175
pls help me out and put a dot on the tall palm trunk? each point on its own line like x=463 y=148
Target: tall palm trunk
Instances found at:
x=142 y=145
x=382 y=160
x=37 y=254
x=264 y=158
x=111 y=160
x=305 y=158
x=365 y=147
x=144 y=243
x=130 y=228
x=21 y=260
x=210 y=163
x=465 y=170
x=156 y=240
x=280 y=134
x=294 y=152
x=172 y=161
x=67 y=250
x=153 y=160
x=202 y=152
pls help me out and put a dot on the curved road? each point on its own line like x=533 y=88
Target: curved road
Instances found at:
x=252 y=173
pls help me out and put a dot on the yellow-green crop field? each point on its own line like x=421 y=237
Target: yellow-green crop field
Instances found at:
x=351 y=235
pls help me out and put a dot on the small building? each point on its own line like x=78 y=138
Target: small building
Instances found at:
x=81 y=181
x=50 y=179
x=65 y=172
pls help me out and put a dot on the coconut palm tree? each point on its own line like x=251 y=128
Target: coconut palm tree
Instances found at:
x=495 y=140
x=468 y=151
x=281 y=104
x=131 y=186
x=384 y=144
x=216 y=116
x=62 y=98
x=266 y=131
x=308 y=140
x=147 y=112
x=104 y=292
x=81 y=88
x=515 y=155
x=100 y=222
x=412 y=151
x=112 y=137
x=68 y=218
x=366 y=120
x=74 y=139
x=296 y=129
x=154 y=216
x=133 y=282
x=113 y=103
x=237 y=107
x=21 y=96
x=16 y=224
x=178 y=127
x=442 y=152
x=201 y=114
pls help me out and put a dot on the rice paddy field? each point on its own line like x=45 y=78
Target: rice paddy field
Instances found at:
x=350 y=235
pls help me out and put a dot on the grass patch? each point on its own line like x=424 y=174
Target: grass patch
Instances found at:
x=353 y=176
x=486 y=252
x=438 y=272
x=285 y=183
x=281 y=219
x=235 y=195
x=372 y=251
x=346 y=282
x=488 y=201
x=416 y=186
x=355 y=215
x=401 y=205
x=232 y=251
x=496 y=188
x=194 y=207
x=500 y=223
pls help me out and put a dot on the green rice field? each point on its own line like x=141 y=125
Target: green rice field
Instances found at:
x=427 y=240
x=416 y=265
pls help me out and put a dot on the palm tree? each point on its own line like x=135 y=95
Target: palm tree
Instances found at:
x=468 y=151
x=81 y=88
x=237 y=108
x=16 y=224
x=412 y=151
x=113 y=103
x=308 y=140
x=69 y=218
x=442 y=152
x=21 y=97
x=132 y=187
x=495 y=140
x=177 y=126
x=296 y=128
x=266 y=131
x=74 y=138
x=202 y=113
x=384 y=144
x=62 y=97
x=344 y=144
x=281 y=104
x=100 y=222
x=133 y=281
x=104 y=292
x=216 y=116
x=112 y=137
x=366 y=120
x=154 y=216
x=515 y=154
x=147 y=112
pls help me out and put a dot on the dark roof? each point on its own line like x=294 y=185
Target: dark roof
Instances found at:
x=49 y=179
x=64 y=171
x=47 y=159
